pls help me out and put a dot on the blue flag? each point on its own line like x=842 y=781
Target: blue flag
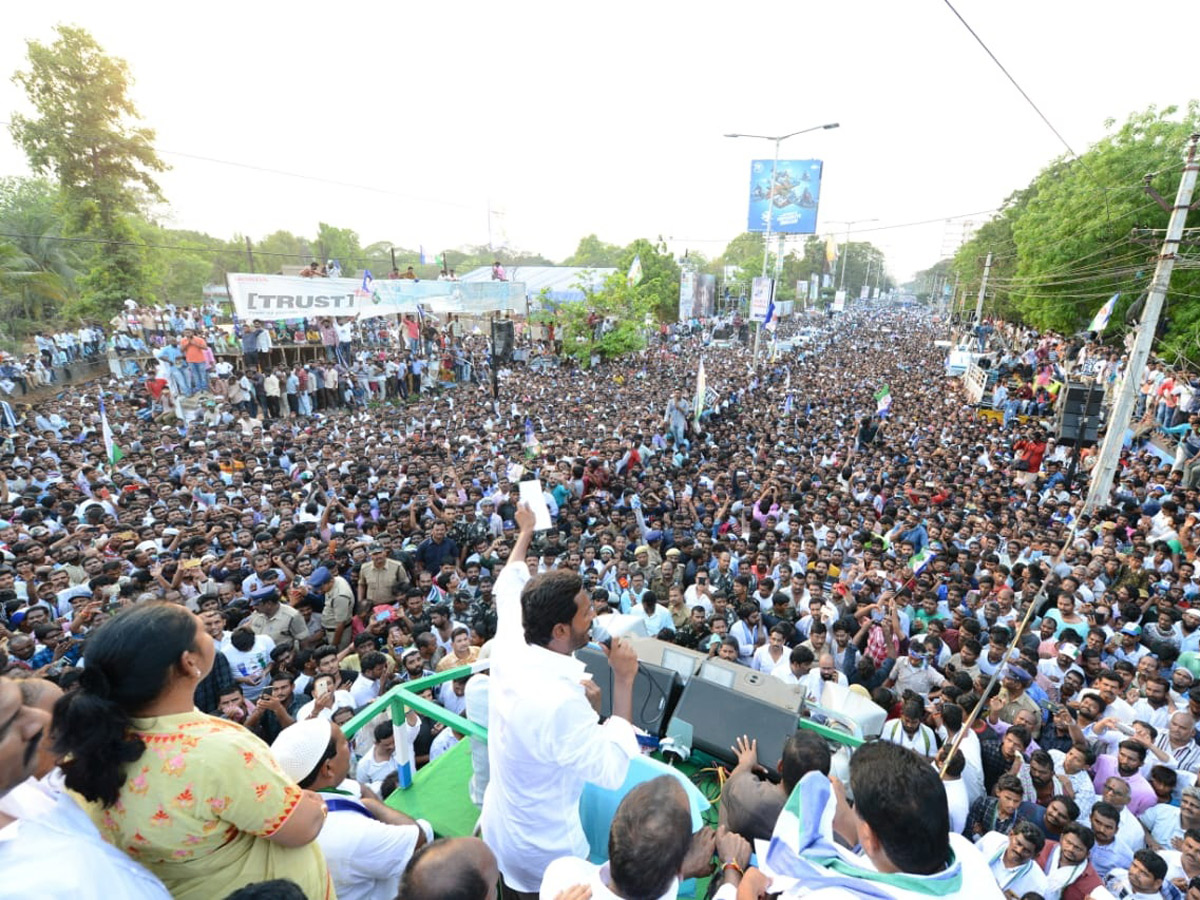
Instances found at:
x=368 y=280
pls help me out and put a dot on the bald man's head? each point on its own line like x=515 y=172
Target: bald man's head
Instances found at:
x=451 y=869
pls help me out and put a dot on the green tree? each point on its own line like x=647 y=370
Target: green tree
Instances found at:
x=40 y=267
x=339 y=244
x=659 y=285
x=626 y=308
x=746 y=253
x=179 y=263
x=864 y=265
x=479 y=256
x=594 y=253
x=926 y=280
x=83 y=133
x=279 y=249
x=1061 y=246
x=30 y=295
x=994 y=237
x=800 y=266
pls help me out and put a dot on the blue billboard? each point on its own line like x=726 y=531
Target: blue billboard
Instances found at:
x=792 y=200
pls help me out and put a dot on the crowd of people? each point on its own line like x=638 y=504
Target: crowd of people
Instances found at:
x=251 y=573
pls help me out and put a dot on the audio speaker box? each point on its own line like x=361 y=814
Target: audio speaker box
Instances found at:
x=720 y=715
x=505 y=341
x=655 y=690
x=1078 y=415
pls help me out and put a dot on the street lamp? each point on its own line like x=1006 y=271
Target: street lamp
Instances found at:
x=846 y=261
x=771 y=200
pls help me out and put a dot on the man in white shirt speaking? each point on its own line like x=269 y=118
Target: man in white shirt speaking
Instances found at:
x=544 y=738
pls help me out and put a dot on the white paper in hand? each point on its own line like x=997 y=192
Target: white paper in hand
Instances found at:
x=531 y=494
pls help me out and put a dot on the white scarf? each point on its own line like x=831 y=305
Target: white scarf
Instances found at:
x=1059 y=878
x=1007 y=876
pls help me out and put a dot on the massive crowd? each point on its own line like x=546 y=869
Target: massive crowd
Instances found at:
x=254 y=566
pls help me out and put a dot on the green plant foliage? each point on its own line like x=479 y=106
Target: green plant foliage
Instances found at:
x=593 y=253
x=83 y=134
x=627 y=307
x=1064 y=244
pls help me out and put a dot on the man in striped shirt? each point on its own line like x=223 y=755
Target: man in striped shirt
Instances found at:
x=1179 y=742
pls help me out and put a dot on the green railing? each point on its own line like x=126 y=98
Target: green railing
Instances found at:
x=831 y=734
x=404 y=697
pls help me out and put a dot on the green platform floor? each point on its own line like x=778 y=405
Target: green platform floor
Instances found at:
x=440 y=795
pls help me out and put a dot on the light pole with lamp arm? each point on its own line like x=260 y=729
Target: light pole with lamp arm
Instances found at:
x=771 y=202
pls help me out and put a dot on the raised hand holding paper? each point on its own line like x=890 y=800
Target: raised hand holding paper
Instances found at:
x=531 y=494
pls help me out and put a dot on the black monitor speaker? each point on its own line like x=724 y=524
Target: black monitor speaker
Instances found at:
x=719 y=716
x=597 y=666
x=655 y=690
x=655 y=693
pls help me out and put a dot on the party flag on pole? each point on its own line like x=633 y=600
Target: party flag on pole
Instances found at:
x=1100 y=322
x=111 y=450
x=635 y=271
x=883 y=400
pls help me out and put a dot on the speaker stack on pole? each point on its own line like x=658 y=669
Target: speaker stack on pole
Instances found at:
x=1078 y=420
x=505 y=340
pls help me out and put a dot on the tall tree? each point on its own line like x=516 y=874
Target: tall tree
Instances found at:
x=340 y=244
x=281 y=248
x=594 y=254
x=659 y=284
x=84 y=134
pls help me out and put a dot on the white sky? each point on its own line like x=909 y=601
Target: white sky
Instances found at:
x=583 y=117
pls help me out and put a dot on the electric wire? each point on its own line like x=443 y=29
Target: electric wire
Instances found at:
x=1021 y=90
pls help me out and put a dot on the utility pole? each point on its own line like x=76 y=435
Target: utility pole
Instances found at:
x=987 y=268
x=1114 y=438
x=250 y=253
x=767 y=250
x=953 y=295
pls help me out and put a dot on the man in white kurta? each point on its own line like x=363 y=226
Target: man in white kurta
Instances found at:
x=544 y=738
x=1012 y=859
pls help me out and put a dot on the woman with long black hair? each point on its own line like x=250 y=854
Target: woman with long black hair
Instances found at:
x=197 y=800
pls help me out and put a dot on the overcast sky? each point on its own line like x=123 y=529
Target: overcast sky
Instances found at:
x=572 y=118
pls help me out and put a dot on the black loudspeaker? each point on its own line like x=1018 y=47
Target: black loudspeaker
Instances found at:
x=597 y=666
x=655 y=690
x=719 y=716
x=1078 y=419
x=655 y=693
x=505 y=341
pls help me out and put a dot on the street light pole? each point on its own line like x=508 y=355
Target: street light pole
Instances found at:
x=846 y=254
x=766 y=244
x=771 y=207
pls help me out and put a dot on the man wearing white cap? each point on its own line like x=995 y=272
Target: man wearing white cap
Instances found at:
x=366 y=843
x=1056 y=669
